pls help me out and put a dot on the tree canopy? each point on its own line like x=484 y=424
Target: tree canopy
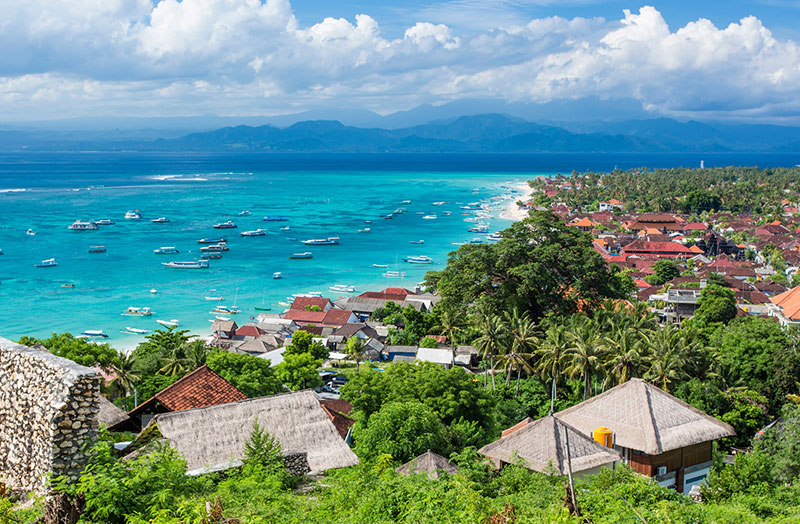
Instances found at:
x=251 y=375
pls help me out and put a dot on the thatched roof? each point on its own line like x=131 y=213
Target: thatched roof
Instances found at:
x=213 y=438
x=542 y=444
x=430 y=463
x=109 y=414
x=645 y=418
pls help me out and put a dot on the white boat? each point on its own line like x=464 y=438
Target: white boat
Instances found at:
x=341 y=288
x=416 y=241
x=365 y=230
x=160 y=220
x=229 y=310
x=286 y=228
x=30 y=232
x=256 y=233
x=154 y=291
x=458 y=243
x=430 y=217
x=421 y=259
x=228 y=224
x=50 y=262
x=224 y=319
x=394 y=274
x=439 y=203
x=133 y=215
x=277 y=275
x=405 y=202
x=135 y=331
x=380 y=265
x=138 y=311
x=211 y=241
x=284 y=304
x=94 y=333
x=330 y=241
x=244 y=213
x=194 y=264
x=166 y=250
x=312 y=294
x=494 y=237
x=79 y=225
x=215 y=299
x=215 y=248
x=104 y=222
x=169 y=323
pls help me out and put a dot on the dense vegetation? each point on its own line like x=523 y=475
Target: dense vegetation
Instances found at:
x=735 y=189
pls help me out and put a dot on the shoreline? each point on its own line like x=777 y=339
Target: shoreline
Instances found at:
x=514 y=212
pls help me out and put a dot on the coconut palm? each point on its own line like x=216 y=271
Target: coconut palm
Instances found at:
x=552 y=353
x=522 y=340
x=124 y=380
x=451 y=323
x=174 y=361
x=196 y=352
x=625 y=351
x=668 y=358
x=584 y=352
x=355 y=350
x=491 y=340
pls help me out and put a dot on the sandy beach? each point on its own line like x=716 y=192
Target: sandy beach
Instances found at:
x=514 y=212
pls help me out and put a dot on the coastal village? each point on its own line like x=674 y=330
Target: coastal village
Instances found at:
x=670 y=257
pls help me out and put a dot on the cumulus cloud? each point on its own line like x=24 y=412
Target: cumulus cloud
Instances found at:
x=253 y=57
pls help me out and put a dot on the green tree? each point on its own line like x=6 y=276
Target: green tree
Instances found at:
x=552 y=353
x=299 y=371
x=355 y=350
x=716 y=304
x=492 y=337
x=540 y=266
x=699 y=200
x=429 y=342
x=663 y=272
x=303 y=342
x=75 y=349
x=124 y=380
x=747 y=414
x=262 y=453
x=403 y=430
x=585 y=351
x=251 y=375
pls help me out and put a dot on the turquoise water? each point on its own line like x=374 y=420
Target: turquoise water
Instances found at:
x=322 y=195
x=317 y=203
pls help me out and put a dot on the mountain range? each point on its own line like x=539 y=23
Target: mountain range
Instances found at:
x=493 y=132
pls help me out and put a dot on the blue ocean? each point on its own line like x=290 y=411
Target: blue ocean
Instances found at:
x=319 y=195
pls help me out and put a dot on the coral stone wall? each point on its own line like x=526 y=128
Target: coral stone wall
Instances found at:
x=48 y=411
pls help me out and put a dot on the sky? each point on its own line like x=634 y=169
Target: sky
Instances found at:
x=707 y=60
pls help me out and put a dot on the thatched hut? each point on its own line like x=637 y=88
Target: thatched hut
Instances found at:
x=658 y=435
x=110 y=416
x=213 y=438
x=541 y=445
x=430 y=463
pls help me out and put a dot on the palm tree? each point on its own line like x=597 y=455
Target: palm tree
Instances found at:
x=584 y=352
x=355 y=349
x=522 y=331
x=125 y=380
x=451 y=323
x=552 y=354
x=196 y=352
x=668 y=357
x=626 y=354
x=174 y=361
x=489 y=344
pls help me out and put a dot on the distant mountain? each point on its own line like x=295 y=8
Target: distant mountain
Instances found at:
x=475 y=133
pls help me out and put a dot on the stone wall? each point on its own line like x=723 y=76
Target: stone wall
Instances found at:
x=48 y=411
x=296 y=462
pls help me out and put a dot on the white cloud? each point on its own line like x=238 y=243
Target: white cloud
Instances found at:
x=252 y=56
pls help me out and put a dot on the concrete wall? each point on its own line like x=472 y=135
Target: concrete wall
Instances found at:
x=48 y=411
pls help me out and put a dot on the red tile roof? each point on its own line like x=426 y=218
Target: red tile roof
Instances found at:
x=337 y=316
x=302 y=302
x=301 y=315
x=383 y=296
x=249 y=330
x=695 y=226
x=338 y=411
x=199 y=389
x=670 y=249
x=516 y=427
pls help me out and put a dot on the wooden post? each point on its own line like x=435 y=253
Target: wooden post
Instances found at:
x=569 y=473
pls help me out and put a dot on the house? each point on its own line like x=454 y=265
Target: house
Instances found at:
x=646 y=247
x=441 y=356
x=786 y=307
x=657 y=434
x=584 y=225
x=678 y=304
x=430 y=463
x=541 y=445
x=213 y=438
x=200 y=388
x=339 y=412
x=303 y=303
x=111 y=417
x=661 y=222
x=610 y=205
x=331 y=317
x=224 y=329
x=390 y=352
x=258 y=346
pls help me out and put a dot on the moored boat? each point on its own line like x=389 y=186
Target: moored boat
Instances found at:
x=394 y=274
x=365 y=230
x=211 y=240
x=166 y=250
x=228 y=310
x=380 y=265
x=255 y=233
x=50 y=262
x=104 y=222
x=245 y=213
x=430 y=217
x=304 y=255
x=228 y=224
x=416 y=241
x=97 y=249
x=30 y=232
x=160 y=220
x=277 y=275
x=169 y=323
x=421 y=259
x=330 y=241
x=342 y=288
x=138 y=311
x=193 y=264
x=80 y=225
x=274 y=218
x=133 y=215
x=94 y=333
x=215 y=299
x=134 y=331
x=215 y=248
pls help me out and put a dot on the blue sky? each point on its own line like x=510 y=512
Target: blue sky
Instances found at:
x=705 y=60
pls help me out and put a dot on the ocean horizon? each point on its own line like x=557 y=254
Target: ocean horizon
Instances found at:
x=320 y=195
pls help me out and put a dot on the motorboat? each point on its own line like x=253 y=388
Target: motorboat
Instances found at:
x=480 y=228
x=416 y=242
x=422 y=259
x=215 y=248
x=277 y=275
x=215 y=299
x=342 y=288
x=394 y=274
x=79 y=225
x=1 y=252
x=50 y=262
x=380 y=265
x=245 y=213
x=368 y=221
x=160 y=220
x=365 y=230
x=97 y=249
x=135 y=331
x=104 y=222
x=94 y=333
x=133 y=215
x=67 y=285
x=430 y=217
x=169 y=323
x=228 y=224
x=228 y=310
x=298 y=256
x=312 y=294
x=166 y=250
x=138 y=311
x=388 y=217
x=274 y=218
x=30 y=232
x=256 y=233
x=439 y=203
x=223 y=319
x=211 y=256
x=494 y=237
x=405 y=202
x=330 y=241
x=153 y=291
x=211 y=240
x=193 y=264
x=286 y=228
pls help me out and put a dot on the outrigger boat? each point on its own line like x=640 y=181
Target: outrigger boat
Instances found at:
x=50 y=262
x=135 y=331
x=215 y=248
x=169 y=323
x=211 y=241
x=138 y=312
x=299 y=256
x=256 y=233
x=166 y=250
x=94 y=333
x=394 y=274
x=228 y=310
x=330 y=241
x=194 y=264
x=79 y=225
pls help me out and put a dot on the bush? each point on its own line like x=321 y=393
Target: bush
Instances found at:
x=403 y=430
